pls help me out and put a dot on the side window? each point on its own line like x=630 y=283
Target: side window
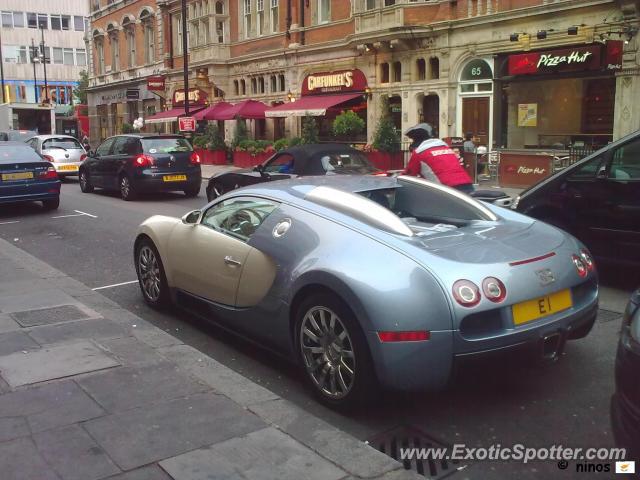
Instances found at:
x=120 y=146
x=626 y=162
x=281 y=164
x=105 y=146
x=588 y=170
x=32 y=143
x=239 y=217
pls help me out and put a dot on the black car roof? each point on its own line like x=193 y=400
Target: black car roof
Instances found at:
x=304 y=154
x=150 y=135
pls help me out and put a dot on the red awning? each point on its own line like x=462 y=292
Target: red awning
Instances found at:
x=251 y=109
x=209 y=112
x=171 y=115
x=313 y=106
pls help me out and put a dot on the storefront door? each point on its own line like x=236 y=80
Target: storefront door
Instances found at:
x=475 y=118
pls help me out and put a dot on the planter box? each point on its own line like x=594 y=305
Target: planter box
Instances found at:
x=208 y=157
x=246 y=160
x=386 y=161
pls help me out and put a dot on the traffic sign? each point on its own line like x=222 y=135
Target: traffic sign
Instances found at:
x=187 y=124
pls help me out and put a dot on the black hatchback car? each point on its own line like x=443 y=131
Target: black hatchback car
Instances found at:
x=625 y=403
x=133 y=164
x=597 y=200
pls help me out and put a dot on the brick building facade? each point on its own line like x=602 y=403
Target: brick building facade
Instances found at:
x=440 y=61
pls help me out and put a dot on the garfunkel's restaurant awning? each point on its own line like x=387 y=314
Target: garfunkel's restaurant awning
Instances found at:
x=313 y=106
x=171 y=115
x=210 y=112
x=248 y=109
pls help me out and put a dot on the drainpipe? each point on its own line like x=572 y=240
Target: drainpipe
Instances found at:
x=302 y=2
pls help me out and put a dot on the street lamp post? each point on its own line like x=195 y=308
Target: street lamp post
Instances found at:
x=34 y=58
x=185 y=58
x=44 y=64
x=4 y=100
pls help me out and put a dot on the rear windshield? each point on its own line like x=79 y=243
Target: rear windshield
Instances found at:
x=350 y=161
x=166 y=145
x=12 y=153
x=17 y=135
x=61 y=143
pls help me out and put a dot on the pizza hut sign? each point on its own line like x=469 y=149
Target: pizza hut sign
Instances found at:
x=554 y=61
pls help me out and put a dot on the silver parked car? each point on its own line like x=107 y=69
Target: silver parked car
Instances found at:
x=366 y=280
x=65 y=152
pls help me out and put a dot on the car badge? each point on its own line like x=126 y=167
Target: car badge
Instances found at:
x=281 y=228
x=546 y=277
x=66 y=155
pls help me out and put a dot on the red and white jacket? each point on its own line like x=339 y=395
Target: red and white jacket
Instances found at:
x=443 y=161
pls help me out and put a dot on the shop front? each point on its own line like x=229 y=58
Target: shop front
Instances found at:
x=325 y=95
x=168 y=119
x=553 y=107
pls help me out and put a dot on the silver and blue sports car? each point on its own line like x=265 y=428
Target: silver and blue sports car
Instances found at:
x=371 y=281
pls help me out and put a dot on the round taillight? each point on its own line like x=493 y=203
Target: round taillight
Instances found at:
x=587 y=259
x=494 y=289
x=466 y=293
x=144 y=160
x=580 y=265
x=195 y=158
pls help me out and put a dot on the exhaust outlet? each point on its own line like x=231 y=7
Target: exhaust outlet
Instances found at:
x=552 y=347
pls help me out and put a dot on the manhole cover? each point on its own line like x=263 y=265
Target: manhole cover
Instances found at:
x=414 y=444
x=608 y=315
x=47 y=316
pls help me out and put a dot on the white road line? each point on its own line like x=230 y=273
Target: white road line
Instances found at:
x=85 y=213
x=7 y=223
x=115 y=285
x=72 y=215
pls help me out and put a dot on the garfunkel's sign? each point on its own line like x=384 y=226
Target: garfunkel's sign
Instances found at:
x=334 y=82
x=155 y=84
x=196 y=97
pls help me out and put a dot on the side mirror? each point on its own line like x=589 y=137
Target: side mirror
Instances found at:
x=191 y=218
x=259 y=168
x=602 y=173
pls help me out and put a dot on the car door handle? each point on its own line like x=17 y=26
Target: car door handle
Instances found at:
x=229 y=260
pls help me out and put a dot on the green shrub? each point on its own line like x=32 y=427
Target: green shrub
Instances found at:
x=215 y=138
x=255 y=147
x=348 y=125
x=127 y=128
x=280 y=144
x=241 y=134
x=295 y=141
x=386 y=138
x=310 y=131
x=200 y=141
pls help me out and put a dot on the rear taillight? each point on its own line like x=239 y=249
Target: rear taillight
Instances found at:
x=414 y=336
x=466 y=293
x=380 y=173
x=581 y=266
x=83 y=156
x=144 y=160
x=48 y=158
x=48 y=174
x=195 y=158
x=587 y=259
x=494 y=289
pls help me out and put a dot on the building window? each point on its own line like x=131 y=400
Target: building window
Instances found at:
x=81 y=57
x=389 y=3
x=32 y=20
x=7 y=20
x=115 y=53
x=247 y=18
x=177 y=37
x=397 y=71
x=260 y=17
x=243 y=87
x=275 y=18
x=434 y=68
x=254 y=86
x=282 y=83
x=56 y=24
x=220 y=31
x=130 y=34
x=273 y=84
x=421 y=69
x=324 y=11
x=78 y=24
x=57 y=55
x=260 y=85
x=14 y=54
x=371 y=4
x=235 y=87
x=43 y=21
x=384 y=73
x=99 y=56
x=147 y=19
x=68 y=56
x=219 y=8
x=12 y=20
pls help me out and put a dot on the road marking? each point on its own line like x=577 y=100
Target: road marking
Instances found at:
x=85 y=213
x=7 y=223
x=115 y=285
x=72 y=215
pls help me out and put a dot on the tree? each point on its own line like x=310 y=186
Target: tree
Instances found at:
x=80 y=91
x=241 y=134
x=348 y=125
x=386 y=137
x=309 y=130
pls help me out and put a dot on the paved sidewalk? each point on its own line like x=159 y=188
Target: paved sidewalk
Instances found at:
x=89 y=391
x=209 y=171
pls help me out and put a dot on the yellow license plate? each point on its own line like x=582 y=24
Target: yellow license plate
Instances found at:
x=17 y=176
x=174 y=178
x=541 y=307
x=72 y=168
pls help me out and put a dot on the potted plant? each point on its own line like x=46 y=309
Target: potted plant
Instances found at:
x=249 y=153
x=310 y=131
x=385 y=152
x=127 y=128
x=216 y=153
x=348 y=125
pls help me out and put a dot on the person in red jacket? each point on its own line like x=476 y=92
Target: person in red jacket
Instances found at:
x=438 y=157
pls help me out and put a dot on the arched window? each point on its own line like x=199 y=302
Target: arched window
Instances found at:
x=281 y=82
x=273 y=84
x=219 y=8
x=98 y=41
x=434 y=68
x=115 y=47
x=397 y=71
x=384 y=73
x=243 y=87
x=260 y=85
x=421 y=69
x=147 y=19
x=129 y=27
x=235 y=87
x=254 y=86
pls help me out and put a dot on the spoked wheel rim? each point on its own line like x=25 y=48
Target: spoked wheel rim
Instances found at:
x=327 y=351
x=149 y=271
x=125 y=187
x=83 y=180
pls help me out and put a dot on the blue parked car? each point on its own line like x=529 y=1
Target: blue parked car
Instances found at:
x=26 y=177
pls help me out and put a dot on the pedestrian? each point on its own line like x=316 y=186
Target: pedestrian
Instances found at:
x=437 y=156
x=85 y=143
x=469 y=146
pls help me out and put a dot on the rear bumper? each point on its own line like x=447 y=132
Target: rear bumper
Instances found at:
x=30 y=193
x=62 y=172
x=150 y=181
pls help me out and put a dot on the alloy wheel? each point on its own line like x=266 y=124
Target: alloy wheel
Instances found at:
x=83 y=181
x=327 y=351
x=149 y=272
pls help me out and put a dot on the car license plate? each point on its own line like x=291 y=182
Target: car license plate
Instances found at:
x=17 y=176
x=541 y=307
x=174 y=178
x=66 y=168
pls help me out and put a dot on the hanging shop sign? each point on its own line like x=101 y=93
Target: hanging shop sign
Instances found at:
x=556 y=61
x=133 y=93
x=187 y=124
x=155 y=84
x=196 y=97
x=613 y=54
x=342 y=81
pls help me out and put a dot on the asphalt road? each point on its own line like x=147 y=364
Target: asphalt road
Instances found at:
x=502 y=401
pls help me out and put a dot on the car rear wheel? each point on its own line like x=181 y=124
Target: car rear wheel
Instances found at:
x=217 y=189
x=333 y=351
x=85 y=182
x=151 y=276
x=192 y=192
x=127 y=191
x=52 y=204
